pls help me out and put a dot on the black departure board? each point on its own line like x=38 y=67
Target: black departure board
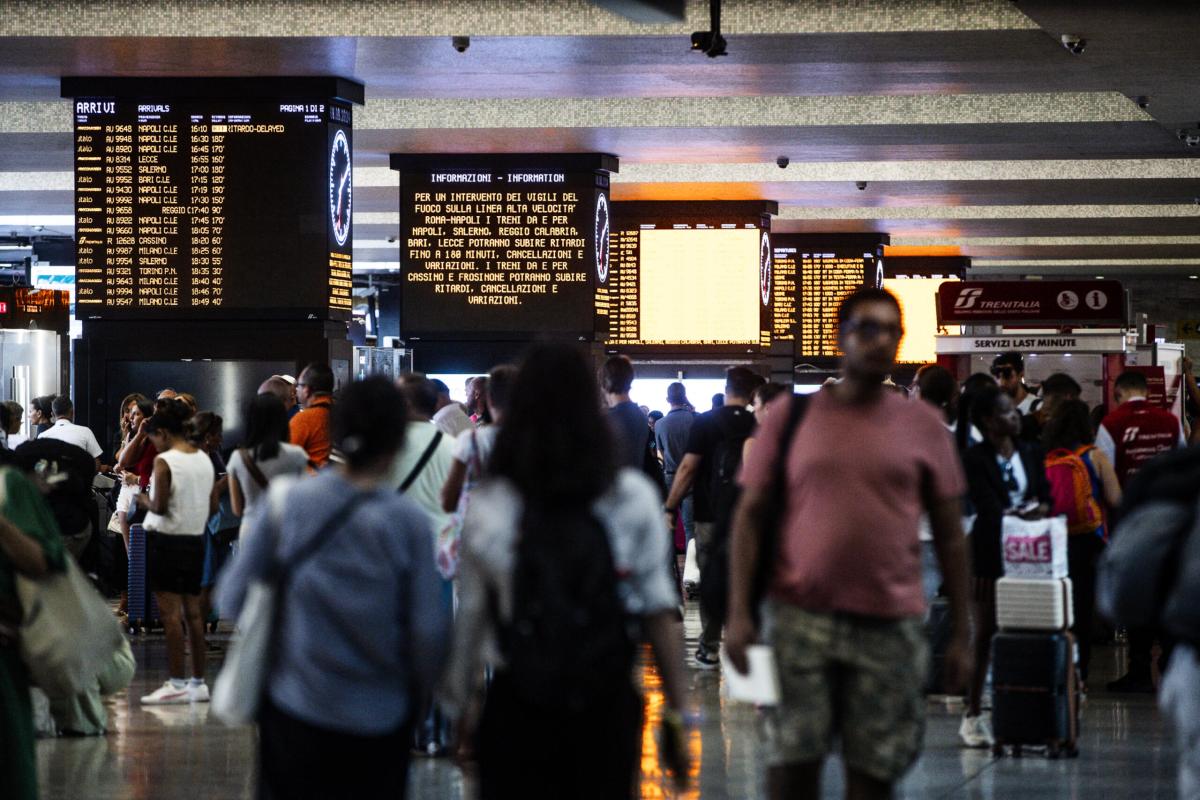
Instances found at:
x=212 y=207
x=688 y=277
x=501 y=248
x=821 y=269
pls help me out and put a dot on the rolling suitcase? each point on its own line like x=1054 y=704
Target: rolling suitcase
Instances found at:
x=1034 y=604
x=143 y=610
x=1035 y=693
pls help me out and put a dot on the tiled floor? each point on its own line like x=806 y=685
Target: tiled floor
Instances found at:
x=179 y=752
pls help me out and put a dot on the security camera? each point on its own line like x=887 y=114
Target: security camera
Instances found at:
x=710 y=43
x=782 y=162
x=1192 y=140
x=860 y=185
x=1075 y=44
x=391 y=240
x=1143 y=102
x=460 y=43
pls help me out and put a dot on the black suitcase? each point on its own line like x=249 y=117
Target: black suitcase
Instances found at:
x=1035 y=692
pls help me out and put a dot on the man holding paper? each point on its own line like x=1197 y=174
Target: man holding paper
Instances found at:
x=834 y=511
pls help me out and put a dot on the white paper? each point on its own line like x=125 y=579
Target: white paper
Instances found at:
x=760 y=686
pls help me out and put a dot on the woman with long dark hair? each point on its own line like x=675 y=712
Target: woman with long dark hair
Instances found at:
x=265 y=454
x=1004 y=476
x=1068 y=433
x=362 y=631
x=562 y=553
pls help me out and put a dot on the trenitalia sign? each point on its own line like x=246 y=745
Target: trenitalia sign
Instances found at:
x=1039 y=302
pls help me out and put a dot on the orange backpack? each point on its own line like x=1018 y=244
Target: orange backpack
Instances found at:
x=1071 y=490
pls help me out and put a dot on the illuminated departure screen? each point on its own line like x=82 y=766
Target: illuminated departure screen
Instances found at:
x=686 y=285
x=495 y=253
x=821 y=270
x=918 y=309
x=213 y=208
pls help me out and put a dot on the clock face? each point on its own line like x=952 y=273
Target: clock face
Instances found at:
x=764 y=269
x=602 y=229
x=340 y=189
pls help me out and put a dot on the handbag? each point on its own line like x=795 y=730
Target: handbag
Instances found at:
x=68 y=634
x=238 y=689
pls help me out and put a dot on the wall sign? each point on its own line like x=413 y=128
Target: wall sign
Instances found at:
x=1044 y=302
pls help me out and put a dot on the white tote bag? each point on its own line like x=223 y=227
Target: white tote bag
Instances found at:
x=1034 y=548
x=237 y=692
x=238 y=688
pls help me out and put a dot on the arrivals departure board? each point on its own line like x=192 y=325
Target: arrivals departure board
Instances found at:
x=506 y=247
x=822 y=269
x=198 y=208
x=688 y=277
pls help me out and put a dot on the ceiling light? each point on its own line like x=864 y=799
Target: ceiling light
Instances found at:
x=1194 y=277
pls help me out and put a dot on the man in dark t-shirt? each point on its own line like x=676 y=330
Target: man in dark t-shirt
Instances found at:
x=630 y=427
x=708 y=470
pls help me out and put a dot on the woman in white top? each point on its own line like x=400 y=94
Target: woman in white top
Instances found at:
x=179 y=503
x=265 y=454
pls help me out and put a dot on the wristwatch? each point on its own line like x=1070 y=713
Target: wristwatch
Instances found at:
x=668 y=510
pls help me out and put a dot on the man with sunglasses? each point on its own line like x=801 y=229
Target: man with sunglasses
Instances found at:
x=1009 y=371
x=845 y=604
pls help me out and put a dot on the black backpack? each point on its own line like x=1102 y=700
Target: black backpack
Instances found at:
x=568 y=647
x=714 y=577
x=65 y=472
x=726 y=460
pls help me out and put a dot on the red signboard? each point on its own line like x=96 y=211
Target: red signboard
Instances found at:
x=1031 y=302
x=3 y=307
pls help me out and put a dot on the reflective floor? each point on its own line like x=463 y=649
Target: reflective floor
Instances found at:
x=160 y=753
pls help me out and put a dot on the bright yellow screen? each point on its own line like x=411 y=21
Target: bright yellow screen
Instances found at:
x=918 y=306
x=699 y=285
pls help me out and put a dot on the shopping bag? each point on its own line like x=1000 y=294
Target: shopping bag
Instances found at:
x=68 y=633
x=1034 y=548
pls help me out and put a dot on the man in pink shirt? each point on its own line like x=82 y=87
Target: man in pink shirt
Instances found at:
x=844 y=601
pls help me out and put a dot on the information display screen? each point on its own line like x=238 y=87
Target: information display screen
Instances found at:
x=697 y=284
x=500 y=253
x=213 y=208
x=918 y=308
x=822 y=270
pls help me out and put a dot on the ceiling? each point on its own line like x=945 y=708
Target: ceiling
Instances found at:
x=970 y=123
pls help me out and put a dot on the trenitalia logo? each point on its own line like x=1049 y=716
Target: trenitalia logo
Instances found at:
x=967 y=298
x=972 y=299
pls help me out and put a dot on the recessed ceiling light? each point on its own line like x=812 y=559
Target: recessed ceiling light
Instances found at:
x=1099 y=277
x=1194 y=277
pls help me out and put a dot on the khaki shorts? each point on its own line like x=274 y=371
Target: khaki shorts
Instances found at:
x=855 y=677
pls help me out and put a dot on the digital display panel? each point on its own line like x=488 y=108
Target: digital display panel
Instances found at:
x=918 y=309
x=505 y=250
x=821 y=270
x=205 y=208
x=687 y=279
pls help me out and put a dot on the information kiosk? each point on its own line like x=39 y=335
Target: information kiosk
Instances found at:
x=1077 y=327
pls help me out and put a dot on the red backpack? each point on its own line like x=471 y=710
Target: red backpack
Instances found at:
x=1071 y=490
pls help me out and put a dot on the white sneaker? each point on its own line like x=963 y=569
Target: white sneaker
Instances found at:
x=198 y=694
x=976 y=731
x=167 y=695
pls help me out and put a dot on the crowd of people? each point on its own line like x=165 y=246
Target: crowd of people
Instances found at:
x=468 y=578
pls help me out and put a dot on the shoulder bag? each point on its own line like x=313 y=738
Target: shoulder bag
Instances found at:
x=237 y=692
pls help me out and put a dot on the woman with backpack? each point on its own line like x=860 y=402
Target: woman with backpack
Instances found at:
x=1084 y=487
x=564 y=568
x=1004 y=476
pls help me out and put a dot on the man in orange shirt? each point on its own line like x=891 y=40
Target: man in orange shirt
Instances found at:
x=310 y=428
